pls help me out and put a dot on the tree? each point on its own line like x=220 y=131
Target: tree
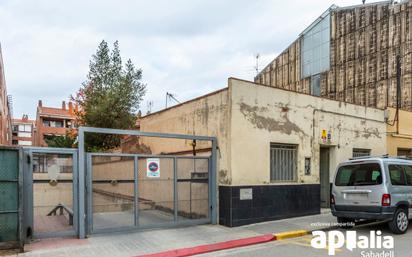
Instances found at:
x=110 y=97
x=66 y=141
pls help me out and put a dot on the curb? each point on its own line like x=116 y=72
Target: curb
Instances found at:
x=213 y=247
x=291 y=234
x=201 y=249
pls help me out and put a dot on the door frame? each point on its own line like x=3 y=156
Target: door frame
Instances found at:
x=29 y=193
x=328 y=148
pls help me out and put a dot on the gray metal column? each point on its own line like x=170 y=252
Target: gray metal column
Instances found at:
x=136 y=191
x=81 y=195
x=89 y=195
x=213 y=186
x=175 y=195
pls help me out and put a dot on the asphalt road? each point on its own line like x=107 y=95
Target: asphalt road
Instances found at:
x=299 y=247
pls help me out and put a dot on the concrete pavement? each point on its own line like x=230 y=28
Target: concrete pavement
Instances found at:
x=152 y=241
x=296 y=246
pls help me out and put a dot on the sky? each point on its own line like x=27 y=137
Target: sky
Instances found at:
x=184 y=47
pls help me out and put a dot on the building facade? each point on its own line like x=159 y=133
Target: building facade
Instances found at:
x=5 y=106
x=399 y=133
x=350 y=54
x=51 y=121
x=277 y=148
x=22 y=131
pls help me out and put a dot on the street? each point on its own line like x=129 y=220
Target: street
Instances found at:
x=302 y=245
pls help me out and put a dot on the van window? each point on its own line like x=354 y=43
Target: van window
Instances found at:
x=408 y=174
x=359 y=175
x=397 y=175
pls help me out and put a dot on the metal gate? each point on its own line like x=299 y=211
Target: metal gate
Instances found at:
x=71 y=192
x=51 y=192
x=11 y=198
x=135 y=191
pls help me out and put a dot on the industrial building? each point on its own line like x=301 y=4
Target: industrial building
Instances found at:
x=277 y=148
x=357 y=54
x=350 y=54
x=5 y=106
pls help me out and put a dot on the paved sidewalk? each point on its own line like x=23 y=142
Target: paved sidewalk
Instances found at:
x=152 y=241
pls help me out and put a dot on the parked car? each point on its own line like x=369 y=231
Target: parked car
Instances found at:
x=374 y=188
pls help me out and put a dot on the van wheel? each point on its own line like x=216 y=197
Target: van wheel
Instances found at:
x=345 y=222
x=399 y=223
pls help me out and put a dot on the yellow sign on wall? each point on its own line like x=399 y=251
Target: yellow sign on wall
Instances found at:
x=324 y=134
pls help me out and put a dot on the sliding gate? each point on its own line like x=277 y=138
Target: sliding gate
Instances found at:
x=145 y=191
x=130 y=191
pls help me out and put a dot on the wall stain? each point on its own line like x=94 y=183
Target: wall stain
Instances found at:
x=269 y=124
x=224 y=178
x=368 y=132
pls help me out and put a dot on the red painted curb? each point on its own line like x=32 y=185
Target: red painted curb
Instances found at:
x=213 y=247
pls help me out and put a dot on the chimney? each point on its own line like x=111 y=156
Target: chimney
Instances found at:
x=25 y=117
x=40 y=103
x=70 y=107
x=64 y=105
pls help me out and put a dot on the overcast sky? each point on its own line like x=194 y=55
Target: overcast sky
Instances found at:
x=188 y=47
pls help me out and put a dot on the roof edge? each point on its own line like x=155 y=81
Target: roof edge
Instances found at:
x=188 y=101
x=302 y=93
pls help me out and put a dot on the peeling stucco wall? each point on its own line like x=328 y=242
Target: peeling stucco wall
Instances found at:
x=204 y=116
x=261 y=115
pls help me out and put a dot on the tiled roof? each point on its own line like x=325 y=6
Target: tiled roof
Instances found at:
x=22 y=121
x=50 y=111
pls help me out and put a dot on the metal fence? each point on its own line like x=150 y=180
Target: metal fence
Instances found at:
x=87 y=193
x=51 y=193
x=124 y=193
x=11 y=198
x=183 y=193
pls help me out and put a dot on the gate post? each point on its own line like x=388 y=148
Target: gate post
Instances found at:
x=214 y=182
x=81 y=195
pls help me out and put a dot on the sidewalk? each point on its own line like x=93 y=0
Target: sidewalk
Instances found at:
x=153 y=241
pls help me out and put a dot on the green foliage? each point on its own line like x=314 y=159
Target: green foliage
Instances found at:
x=66 y=141
x=110 y=97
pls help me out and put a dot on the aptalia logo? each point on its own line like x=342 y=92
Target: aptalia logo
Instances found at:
x=335 y=239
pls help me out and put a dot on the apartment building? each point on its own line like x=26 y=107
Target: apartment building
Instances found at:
x=52 y=121
x=22 y=131
x=5 y=106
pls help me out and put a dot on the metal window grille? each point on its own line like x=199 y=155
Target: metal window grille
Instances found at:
x=357 y=152
x=283 y=160
x=405 y=152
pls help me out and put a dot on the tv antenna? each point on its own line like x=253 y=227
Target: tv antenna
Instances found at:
x=170 y=96
x=149 y=107
x=257 y=56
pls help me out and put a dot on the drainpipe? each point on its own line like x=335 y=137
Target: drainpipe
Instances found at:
x=398 y=90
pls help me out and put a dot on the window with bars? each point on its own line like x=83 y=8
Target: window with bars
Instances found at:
x=283 y=162
x=358 y=152
x=405 y=152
